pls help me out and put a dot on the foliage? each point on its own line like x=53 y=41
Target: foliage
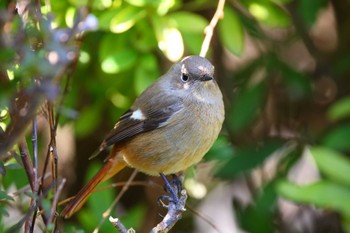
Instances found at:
x=286 y=94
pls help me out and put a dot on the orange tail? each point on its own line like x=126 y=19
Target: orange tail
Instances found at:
x=109 y=169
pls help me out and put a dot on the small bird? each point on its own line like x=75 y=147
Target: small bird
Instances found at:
x=170 y=126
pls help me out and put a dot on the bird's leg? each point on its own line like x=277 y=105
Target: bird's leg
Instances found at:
x=177 y=183
x=173 y=188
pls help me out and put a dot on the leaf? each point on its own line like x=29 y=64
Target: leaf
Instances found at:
x=339 y=109
x=126 y=18
x=2 y=168
x=193 y=42
x=169 y=38
x=146 y=72
x=189 y=22
x=247 y=158
x=119 y=61
x=323 y=194
x=246 y=105
x=221 y=150
x=4 y=196
x=337 y=138
x=231 y=32
x=268 y=13
x=309 y=10
x=121 y=19
x=261 y=212
x=333 y=164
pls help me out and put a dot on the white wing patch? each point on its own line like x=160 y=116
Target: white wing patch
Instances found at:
x=138 y=115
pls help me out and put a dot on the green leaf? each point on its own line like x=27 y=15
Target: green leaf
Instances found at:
x=15 y=174
x=231 y=32
x=323 y=194
x=169 y=38
x=333 y=164
x=146 y=72
x=309 y=10
x=193 y=42
x=221 y=150
x=119 y=61
x=246 y=105
x=339 y=109
x=189 y=22
x=337 y=138
x=4 y=196
x=268 y=13
x=261 y=212
x=247 y=158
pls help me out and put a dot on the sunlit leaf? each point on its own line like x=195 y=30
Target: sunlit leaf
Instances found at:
x=161 y=6
x=268 y=13
x=126 y=18
x=323 y=194
x=340 y=109
x=333 y=164
x=139 y=3
x=121 y=19
x=231 y=32
x=169 y=38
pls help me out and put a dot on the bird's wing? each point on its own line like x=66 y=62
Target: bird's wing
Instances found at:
x=140 y=120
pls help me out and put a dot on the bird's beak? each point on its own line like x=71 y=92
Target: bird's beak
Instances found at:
x=206 y=78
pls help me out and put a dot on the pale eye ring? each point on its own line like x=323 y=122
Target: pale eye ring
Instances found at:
x=184 y=77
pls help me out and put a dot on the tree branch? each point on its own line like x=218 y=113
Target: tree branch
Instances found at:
x=219 y=13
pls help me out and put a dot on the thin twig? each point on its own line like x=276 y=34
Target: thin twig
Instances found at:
x=108 y=211
x=219 y=13
x=27 y=162
x=55 y=201
x=119 y=225
x=35 y=172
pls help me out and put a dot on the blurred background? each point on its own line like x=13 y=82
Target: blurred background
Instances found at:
x=69 y=69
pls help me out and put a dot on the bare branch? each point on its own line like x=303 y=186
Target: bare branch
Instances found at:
x=219 y=13
x=55 y=201
x=119 y=226
x=174 y=214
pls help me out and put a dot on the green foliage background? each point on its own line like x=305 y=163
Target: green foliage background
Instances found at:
x=279 y=105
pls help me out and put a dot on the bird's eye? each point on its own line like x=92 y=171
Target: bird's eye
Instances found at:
x=184 y=77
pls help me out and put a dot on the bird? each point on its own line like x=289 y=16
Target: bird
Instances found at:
x=168 y=128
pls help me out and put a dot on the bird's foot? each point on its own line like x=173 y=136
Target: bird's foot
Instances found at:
x=173 y=187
